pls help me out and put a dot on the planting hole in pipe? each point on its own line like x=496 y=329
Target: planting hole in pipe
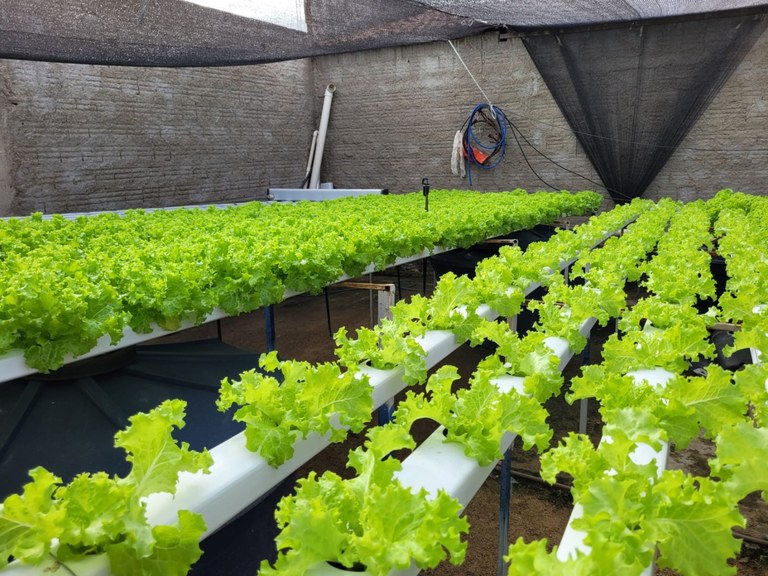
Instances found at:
x=356 y=567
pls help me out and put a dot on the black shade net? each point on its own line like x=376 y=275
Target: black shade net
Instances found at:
x=632 y=93
x=180 y=33
x=187 y=33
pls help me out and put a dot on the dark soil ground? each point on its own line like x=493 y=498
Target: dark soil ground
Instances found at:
x=537 y=510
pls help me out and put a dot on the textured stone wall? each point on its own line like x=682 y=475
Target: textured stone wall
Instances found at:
x=81 y=138
x=6 y=193
x=396 y=111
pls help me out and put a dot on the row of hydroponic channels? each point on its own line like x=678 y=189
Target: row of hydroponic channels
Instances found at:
x=68 y=285
x=628 y=506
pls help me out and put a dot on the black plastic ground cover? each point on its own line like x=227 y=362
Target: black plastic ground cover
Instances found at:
x=68 y=426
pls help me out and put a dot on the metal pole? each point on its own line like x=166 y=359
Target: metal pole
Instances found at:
x=328 y=310
x=269 y=320
x=584 y=405
x=385 y=411
x=505 y=493
x=386 y=299
x=373 y=320
x=425 y=191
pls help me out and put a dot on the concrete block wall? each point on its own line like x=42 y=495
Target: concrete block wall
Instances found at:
x=396 y=111
x=80 y=137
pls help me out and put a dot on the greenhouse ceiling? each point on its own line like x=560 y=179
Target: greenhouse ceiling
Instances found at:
x=228 y=32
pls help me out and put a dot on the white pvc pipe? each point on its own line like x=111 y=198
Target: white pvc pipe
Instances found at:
x=320 y=147
x=298 y=194
x=309 y=160
x=572 y=541
x=13 y=365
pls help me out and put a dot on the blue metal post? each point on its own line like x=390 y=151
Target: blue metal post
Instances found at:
x=385 y=411
x=269 y=319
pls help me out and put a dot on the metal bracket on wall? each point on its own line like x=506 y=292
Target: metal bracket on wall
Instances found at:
x=506 y=34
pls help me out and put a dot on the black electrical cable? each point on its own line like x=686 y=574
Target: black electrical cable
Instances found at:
x=472 y=145
x=526 y=159
x=499 y=126
x=611 y=191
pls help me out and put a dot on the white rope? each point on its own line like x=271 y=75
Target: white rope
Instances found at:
x=493 y=113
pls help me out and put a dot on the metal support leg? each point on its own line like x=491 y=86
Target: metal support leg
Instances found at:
x=385 y=411
x=399 y=282
x=371 y=317
x=583 y=411
x=584 y=405
x=424 y=276
x=328 y=310
x=269 y=319
x=218 y=329
x=505 y=493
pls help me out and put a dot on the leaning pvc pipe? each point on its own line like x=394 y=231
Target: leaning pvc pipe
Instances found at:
x=322 y=131
x=310 y=159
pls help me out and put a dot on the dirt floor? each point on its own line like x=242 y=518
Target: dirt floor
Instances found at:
x=537 y=510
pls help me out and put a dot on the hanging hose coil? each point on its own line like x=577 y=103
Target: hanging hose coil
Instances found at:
x=485 y=155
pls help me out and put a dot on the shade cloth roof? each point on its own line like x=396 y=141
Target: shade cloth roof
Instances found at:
x=532 y=14
x=192 y=33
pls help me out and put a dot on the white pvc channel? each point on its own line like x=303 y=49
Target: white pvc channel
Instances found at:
x=299 y=194
x=439 y=465
x=572 y=541
x=13 y=365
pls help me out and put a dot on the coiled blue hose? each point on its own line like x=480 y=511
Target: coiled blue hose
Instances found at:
x=494 y=151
